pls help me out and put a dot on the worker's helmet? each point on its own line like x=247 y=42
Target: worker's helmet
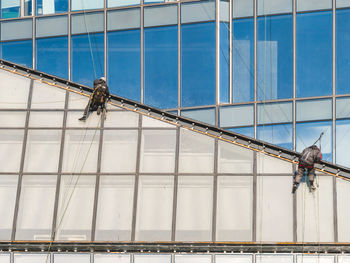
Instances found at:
x=103 y=79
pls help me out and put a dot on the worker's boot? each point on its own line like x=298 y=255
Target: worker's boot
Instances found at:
x=98 y=110
x=295 y=186
x=312 y=187
x=83 y=118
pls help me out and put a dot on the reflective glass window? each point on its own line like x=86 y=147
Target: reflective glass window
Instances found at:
x=72 y=258
x=43 y=147
x=224 y=10
x=224 y=62
x=275 y=57
x=160 y=15
x=279 y=134
x=31 y=258
x=10 y=8
x=198 y=11
x=234 y=159
x=343 y=199
x=87 y=58
x=152 y=258
x=114 y=3
x=260 y=258
x=45 y=7
x=20 y=52
x=307 y=5
x=194 y=208
x=48 y=52
x=242 y=8
x=124 y=63
x=86 y=4
x=47 y=97
x=275 y=112
x=342 y=3
x=315 y=212
x=196 y=153
x=10 y=150
x=111 y=258
x=235 y=193
x=202 y=115
x=80 y=151
x=17 y=29
x=36 y=207
x=247 y=131
x=243 y=60
x=342 y=142
x=342 y=54
x=342 y=107
x=161 y=66
x=13 y=119
x=158 y=151
x=241 y=115
x=307 y=133
x=198 y=64
x=193 y=258
x=8 y=190
x=266 y=7
x=234 y=258
x=155 y=198
x=309 y=110
x=51 y=26
x=314 y=54
x=15 y=91
x=273 y=205
x=119 y=151
x=123 y=19
x=87 y=23
x=114 y=208
x=76 y=201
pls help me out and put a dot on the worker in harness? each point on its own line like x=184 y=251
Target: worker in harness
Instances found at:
x=307 y=160
x=98 y=98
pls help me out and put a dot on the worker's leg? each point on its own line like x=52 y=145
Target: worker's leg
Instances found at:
x=86 y=111
x=298 y=177
x=311 y=178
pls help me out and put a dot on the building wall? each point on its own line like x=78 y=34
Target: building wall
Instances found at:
x=276 y=70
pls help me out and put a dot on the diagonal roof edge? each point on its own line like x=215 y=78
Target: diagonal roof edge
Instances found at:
x=197 y=126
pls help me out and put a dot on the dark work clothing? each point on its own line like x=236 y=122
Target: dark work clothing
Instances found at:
x=300 y=173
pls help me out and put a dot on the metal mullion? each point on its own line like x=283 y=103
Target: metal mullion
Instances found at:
x=295 y=218
x=97 y=185
x=294 y=74
x=215 y=190
x=142 y=52
x=178 y=57
x=217 y=49
x=58 y=183
x=254 y=214
x=176 y=180
x=230 y=50
x=255 y=68
x=105 y=38
x=133 y=226
x=34 y=43
x=69 y=41
x=19 y=183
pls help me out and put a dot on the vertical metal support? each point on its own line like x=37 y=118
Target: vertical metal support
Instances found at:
x=176 y=180
x=60 y=162
x=21 y=8
x=254 y=214
x=215 y=190
x=335 y=203
x=142 y=53
x=69 y=24
x=24 y=145
x=105 y=38
x=97 y=185
x=295 y=217
x=230 y=50
x=255 y=68
x=34 y=43
x=217 y=48
x=137 y=175
x=178 y=57
x=294 y=73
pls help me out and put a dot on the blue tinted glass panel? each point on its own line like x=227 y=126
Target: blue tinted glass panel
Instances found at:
x=224 y=62
x=28 y=7
x=161 y=68
x=153 y=1
x=44 y=7
x=50 y=51
x=275 y=57
x=124 y=66
x=280 y=134
x=342 y=142
x=10 y=8
x=307 y=133
x=87 y=58
x=314 y=54
x=247 y=131
x=198 y=64
x=342 y=50
x=243 y=60
x=20 y=52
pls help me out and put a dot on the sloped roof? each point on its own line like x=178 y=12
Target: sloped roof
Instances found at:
x=143 y=174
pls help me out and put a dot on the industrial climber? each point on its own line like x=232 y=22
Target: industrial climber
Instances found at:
x=307 y=160
x=98 y=98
